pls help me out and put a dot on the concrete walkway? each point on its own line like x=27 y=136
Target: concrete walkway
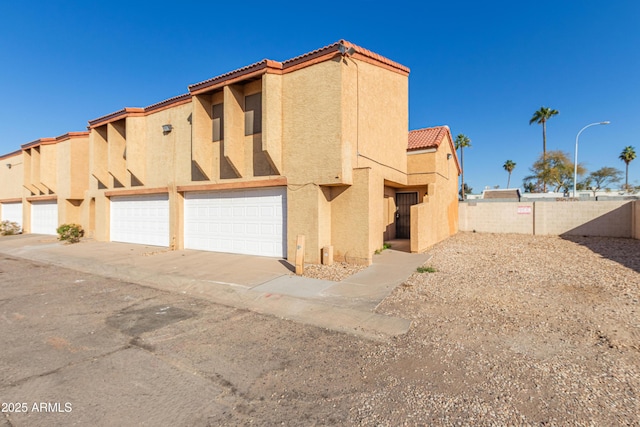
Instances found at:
x=260 y=284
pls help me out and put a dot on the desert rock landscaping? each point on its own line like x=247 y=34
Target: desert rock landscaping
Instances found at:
x=512 y=330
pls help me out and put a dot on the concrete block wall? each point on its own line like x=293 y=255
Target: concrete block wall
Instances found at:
x=607 y=219
x=636 y=219
x=589 y=218
x=498 y=217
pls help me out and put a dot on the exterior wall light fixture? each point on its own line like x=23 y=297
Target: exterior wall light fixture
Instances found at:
x=449 y=156
x=166 y=129
x=344 y=51
x=9 y=165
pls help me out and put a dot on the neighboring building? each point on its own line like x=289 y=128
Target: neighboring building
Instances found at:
x=245 y=162
x=11 y=192
x=502 y=194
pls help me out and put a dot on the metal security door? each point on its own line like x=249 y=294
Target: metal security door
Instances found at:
x=404 y=201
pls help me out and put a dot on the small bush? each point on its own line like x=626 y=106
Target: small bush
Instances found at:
x=426 y=270
x=7 y=228
x=70 y=232
x=384 y=246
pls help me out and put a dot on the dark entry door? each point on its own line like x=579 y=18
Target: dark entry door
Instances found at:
x=404 y=201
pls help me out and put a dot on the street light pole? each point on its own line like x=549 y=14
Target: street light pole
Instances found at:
x=575 y=159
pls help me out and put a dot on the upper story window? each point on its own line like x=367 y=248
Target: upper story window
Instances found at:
x=218 y=122
x=253 y=114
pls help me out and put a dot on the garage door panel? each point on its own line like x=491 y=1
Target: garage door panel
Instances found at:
x=140 y=219
x=12 y=212
x=44 y=217
x=238 y=221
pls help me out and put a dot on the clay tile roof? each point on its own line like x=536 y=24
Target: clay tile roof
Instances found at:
x=301 y=59
x=38 y=142
x=421 y=139
x=120 y=114
x=70 y=135
x=166 y=102
x=235 y=73
x=427 y=138
x=334 y=47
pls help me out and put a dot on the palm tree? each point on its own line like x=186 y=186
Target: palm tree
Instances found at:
x=540 y=117
x=627 y=155
x=509 y=166
x=462 y=141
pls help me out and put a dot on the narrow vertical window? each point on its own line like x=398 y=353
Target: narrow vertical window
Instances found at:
x=218 y=122
x=253 y=114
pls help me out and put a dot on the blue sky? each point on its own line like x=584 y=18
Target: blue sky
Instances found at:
x=482 y=68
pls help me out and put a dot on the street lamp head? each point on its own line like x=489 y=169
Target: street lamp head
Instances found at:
x=575 y=158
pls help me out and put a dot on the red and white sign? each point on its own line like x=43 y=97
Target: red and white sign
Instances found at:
x=524 y=210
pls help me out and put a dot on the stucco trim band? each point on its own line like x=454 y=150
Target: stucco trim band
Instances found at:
x=15 y=200
x=42 y=198
x=138 y=112
x=71 y=135
x=9 y=155
x=38 y=142
x=276 y=182
x=137 y=192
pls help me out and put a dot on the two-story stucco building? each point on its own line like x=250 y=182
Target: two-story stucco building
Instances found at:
x=245 y=162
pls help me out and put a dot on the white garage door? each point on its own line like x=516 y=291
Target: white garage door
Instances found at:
x=140 y=219
x=44 y=217
x=12 y=212
x=251 y=222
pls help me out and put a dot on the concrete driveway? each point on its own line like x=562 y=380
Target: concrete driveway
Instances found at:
x=261 y=284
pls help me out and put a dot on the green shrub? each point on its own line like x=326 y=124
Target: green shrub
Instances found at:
x=426 y=270
x=384 y=246
x=8 y=228
x=70 y=232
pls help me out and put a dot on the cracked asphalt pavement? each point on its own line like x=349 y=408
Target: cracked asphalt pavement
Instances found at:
x=79 y=349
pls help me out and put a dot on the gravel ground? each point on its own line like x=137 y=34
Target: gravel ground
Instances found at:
x=336 y=272
x=513 y=330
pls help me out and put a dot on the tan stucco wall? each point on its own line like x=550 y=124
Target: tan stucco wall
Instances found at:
x=56 y=169
x=303 y=217
x=331 y=112
x=272 y=120
x=437 y=217
x=48 y=168
x=99 y=155
x=311 y=123
x=381 y=107
x=72 y=169
x=11 y=178
x=72 y=176
x=11 y=189
x=351 y=219
x=167 y=156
